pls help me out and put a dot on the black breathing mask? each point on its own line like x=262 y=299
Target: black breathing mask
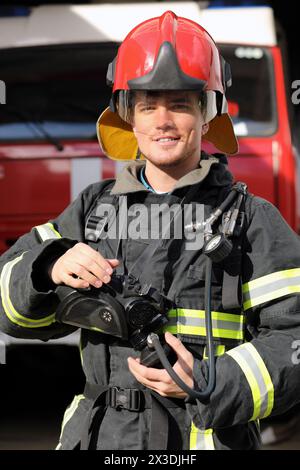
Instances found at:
x=118 y=309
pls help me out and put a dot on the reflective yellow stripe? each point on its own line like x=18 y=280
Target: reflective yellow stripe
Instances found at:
x=8 y=307
x=219 y=351
x=192 y=322
x=47 y=231
x=70 y=411
x=201 y=439
x=80 y=348
x=258 y=378
x=270 y=287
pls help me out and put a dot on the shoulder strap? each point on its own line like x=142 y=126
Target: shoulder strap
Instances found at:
x=97 y=218
x=231 y=287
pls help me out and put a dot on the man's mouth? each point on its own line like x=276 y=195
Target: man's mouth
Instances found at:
x=166 y=139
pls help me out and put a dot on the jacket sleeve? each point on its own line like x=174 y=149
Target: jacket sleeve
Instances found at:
x=28 y=299
x=262 y=376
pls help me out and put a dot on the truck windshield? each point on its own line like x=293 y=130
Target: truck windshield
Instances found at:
x=252 y=98
x=63 y=88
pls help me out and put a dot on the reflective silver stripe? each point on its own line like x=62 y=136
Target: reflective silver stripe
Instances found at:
x=192 y=322
x=270 y=287
x=258 y=378
x=47 y=231
x=201 y=439
x=84 y=171
x=11 y=312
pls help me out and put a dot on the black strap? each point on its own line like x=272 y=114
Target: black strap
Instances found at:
x=232 y=284
x=148 y=253
x=159 y=430
x=94 y=224
x=98 y=395
x=231 y=291
x=132 y=399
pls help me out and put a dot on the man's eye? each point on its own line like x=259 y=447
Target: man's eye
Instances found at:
x=147 y=107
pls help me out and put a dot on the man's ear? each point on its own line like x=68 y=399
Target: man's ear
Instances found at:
x=205 y=128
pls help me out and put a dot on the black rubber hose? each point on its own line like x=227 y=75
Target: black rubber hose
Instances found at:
x=229 y=199
x=210 y=347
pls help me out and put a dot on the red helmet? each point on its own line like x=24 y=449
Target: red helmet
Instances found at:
x=166 y=53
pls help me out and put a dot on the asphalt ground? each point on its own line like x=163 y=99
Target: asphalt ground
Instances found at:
x=37 y=384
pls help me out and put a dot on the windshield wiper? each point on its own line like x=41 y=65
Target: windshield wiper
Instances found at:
x=81 y=107
x=28 y=119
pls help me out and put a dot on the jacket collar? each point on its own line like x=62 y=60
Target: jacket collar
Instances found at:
x=128 y=181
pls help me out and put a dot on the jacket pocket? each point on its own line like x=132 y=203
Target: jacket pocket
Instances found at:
x=197 y=273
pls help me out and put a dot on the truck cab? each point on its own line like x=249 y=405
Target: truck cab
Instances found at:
x=259 y=104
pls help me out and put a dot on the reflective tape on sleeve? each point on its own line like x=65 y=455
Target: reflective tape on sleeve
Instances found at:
x=201 y=439
x=8 y=307
x=271 y=287
x=192 y=322
x=47 y=231
x=219 y=351
x=70 y=412
x=258 y=378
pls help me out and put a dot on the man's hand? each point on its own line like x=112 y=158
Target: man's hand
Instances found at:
x=159 y=379
x=82 y=266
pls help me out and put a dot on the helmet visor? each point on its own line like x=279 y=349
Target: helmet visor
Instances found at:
x=180 y=101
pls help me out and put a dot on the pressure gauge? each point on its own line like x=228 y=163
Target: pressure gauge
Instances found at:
x=218 y=248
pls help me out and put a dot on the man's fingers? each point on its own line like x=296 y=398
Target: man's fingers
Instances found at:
x=173 y=341
x=138 y=372
x=87 y=269
x=84 y=262
x=184 y=365
x=86 y=275
x=155 y=379
x=95 y=256
x=178 y=346
x=71 y=281
x=113 y=262
x=147 y=373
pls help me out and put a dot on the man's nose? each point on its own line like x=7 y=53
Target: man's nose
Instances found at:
x=164 y=118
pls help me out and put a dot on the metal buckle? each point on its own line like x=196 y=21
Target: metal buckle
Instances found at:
x=124 y=398
x=135 y=399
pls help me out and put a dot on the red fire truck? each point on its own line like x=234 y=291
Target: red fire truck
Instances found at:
x=53 y=62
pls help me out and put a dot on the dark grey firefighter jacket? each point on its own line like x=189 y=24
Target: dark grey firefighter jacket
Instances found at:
x=257 y=357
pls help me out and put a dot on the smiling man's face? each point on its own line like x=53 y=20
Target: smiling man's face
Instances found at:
x=168 y=127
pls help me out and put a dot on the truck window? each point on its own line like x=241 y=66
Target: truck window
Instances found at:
x=253 y=90
x=61 y=88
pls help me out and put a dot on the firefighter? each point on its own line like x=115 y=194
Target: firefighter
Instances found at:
x=169 y=85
